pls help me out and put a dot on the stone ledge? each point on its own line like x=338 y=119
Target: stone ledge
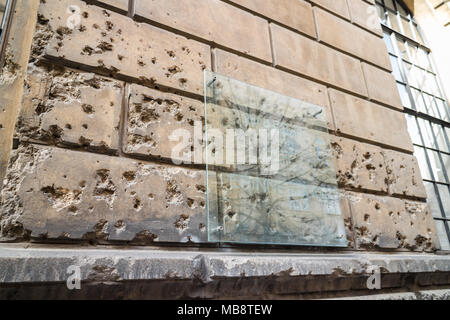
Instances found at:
x=38 y=263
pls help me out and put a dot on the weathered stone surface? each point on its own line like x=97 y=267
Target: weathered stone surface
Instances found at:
x=296 y=14
x=154 y=116
x=310 y=58
x=335 y=32
x=389 y=223
x=381 y=86
x=62 y=106
x=365 y=15
x=96 y=197
x=359 y=165
x=404 y=174
x=212 y=20
x=338 y=7
x=272 y=79
x=363 y=119
x=13 y=73
x=113 y=44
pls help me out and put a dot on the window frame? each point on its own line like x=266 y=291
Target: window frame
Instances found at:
x=427 y=112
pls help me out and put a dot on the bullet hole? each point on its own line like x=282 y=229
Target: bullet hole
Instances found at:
x=366 y=217
x=87 y=50
x=154 y=60
x=105 y=46
x=377 y=206
x=144 y=237
x=106 y=13
x=190 y=203
x=119 y=224
x=120 y=57
x=129 y=176
x=85 y=15
x=87 y=108
x=151 y=196
x=201 y=188
x=137 y=205
x=73 y=209
x=85 y=126
x=170 y=53
x=182 y=81
x=231 y=214
x=182 y=222
x=179 y=117
x=173 y=70
x=68 y=126
x=82 y=184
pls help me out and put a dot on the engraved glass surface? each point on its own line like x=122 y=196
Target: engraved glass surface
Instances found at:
x=270 y=168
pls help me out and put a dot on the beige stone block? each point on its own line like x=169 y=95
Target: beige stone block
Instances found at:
x=272 y=79
x=364 y=119
x=359 y=165
x=335 y=32
x=154 y=117
x=365 y=15
x=404 y=175
x=61 y=194
x=62 y=106
x=296 y=14
x=212 y=20
x=338 y=7
x=381 y=86
x=115 y=45
x=390 y=223
x=310 y=58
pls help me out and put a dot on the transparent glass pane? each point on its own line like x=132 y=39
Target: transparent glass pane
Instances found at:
x=404 y=96
x=413 y=129
x=396 y=68
x=430 y=105
x=381 y=15
x=417 y=33
x=446 y=159
x=389 y=4
x=402 y=11
x=445 y=198
x=432 y=199
x=418 y=99
x=402 y=49
x=443 y=109
x=442 y=234
x=413 y=53
x=394 y=22
x=440 y=137
x=388 y=41
x=436 y=166
x=423 y=60
x=427 y=134
x=419 y=152
x=271 y=175
x=406 y=28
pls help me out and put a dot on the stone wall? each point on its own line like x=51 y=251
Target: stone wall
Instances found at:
x=100 y=100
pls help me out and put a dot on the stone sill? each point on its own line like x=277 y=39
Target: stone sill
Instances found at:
x=43 y=264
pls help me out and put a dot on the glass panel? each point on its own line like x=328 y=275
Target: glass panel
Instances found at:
x=436 y=166
x=387 y=40
x=413 y=129
x=443 y=110
x=406 y=29
x=402 y=10
x=394 y=22
x=442 y=234
x=446 y=159
x=430 y=106
x=440 y=137
x=404 y=96
x=422 y=56
x=420 y=76
x=419 y=152
x=395 y=68
x=274 y=182
x=417 y=33
x=418 y=99
x=389 y=4
x=432 y=199
x=381 y=14
x=445 y=198
x=402 y=49
x=427 y=134
x=413 y=52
